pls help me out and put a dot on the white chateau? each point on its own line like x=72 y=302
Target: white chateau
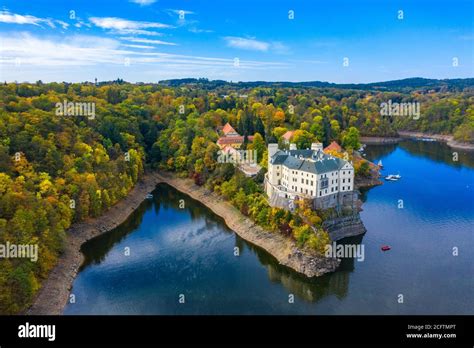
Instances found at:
x=312 y=174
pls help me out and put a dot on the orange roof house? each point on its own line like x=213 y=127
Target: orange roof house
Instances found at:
x=234 y=141
x=333 y=147
x=287 y=136
x=228 y=130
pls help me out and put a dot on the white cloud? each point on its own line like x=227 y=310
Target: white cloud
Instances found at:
x=13 y=18
x=252 y=44
x=136 y=32
x=124 y=24
x=64 y=25
x=247 y=44
x=75 y=50
x=148 y=41
x=138 y=46
x=79 y=57
x=143 y=2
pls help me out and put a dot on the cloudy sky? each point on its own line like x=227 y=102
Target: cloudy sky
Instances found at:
x=245 y=40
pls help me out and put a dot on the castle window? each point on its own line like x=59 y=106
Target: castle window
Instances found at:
x=349 y=180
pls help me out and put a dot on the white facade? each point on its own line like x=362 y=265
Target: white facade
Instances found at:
x=309 y=173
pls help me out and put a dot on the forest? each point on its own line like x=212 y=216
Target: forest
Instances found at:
x=56 y=170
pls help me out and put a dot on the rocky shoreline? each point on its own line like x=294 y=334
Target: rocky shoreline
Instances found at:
x=345 y=226
x=54 y=293
x=280 y=247
x=448 y=139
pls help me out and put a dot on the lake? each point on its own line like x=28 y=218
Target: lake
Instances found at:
x=173 y=259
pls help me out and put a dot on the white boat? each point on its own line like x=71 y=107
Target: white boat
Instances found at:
x=393 y=177
x=149 y=196
x=380 y=164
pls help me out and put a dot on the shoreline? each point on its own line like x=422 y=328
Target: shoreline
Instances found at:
x=448 y=139
x=55 y=289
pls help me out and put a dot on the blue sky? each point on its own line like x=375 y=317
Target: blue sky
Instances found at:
x=244 y=40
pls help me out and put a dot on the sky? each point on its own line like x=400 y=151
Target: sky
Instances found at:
x=341 y=41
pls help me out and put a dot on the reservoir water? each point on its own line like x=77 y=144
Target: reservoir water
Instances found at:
x=164 y=251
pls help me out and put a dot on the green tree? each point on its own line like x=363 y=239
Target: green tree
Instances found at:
x=350 y=139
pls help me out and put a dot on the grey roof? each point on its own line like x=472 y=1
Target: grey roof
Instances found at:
x=315 y=162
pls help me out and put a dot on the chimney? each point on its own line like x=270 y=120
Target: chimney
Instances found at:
x=272 y=149
x=292 y=146
x=317 y=146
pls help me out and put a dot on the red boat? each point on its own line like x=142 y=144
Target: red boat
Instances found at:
x=385 y=248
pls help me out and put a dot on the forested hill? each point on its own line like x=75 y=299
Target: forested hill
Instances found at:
x=405 y=85
x=59 y=167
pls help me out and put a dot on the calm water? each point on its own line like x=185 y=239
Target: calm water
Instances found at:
x=190 y=251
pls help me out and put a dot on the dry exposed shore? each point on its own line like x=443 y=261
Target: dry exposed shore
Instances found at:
x=449 y=139
x=54 y=293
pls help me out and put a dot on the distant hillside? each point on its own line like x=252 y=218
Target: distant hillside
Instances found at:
x=405 y=85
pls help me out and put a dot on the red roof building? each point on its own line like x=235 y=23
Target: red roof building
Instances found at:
x=228 y=130
x=234 y=141
x=333 y=147
x=287 y=136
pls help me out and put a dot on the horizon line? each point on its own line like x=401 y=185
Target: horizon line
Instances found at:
x=250 y=81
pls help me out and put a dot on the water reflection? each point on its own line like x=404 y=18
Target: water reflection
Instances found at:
x=191 y=250
x=166 y=197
